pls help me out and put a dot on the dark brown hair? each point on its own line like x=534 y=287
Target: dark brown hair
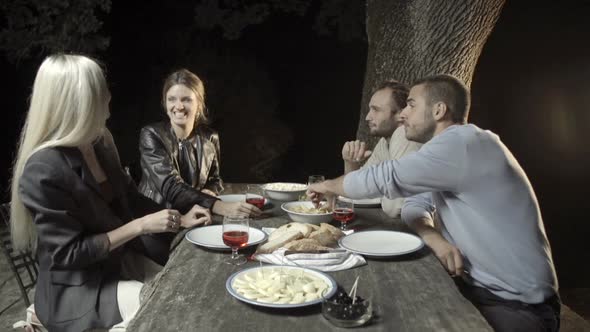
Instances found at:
x=449 y=90
x=399 y=92
x=191 y=81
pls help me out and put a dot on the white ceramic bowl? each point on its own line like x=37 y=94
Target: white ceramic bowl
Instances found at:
x=284 y=191
x=309 y=218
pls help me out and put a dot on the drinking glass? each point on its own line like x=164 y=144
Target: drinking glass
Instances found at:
x=343 y=211
x=315 y=178
x=235 y=236
x=254 y=196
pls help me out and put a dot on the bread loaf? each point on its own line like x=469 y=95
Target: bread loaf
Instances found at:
x=324 y=237
x=335 y=231
x=279 y=241
x=305 y=230
x=305 y=245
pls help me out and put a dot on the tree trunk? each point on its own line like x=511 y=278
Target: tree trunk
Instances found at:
x=409 y=39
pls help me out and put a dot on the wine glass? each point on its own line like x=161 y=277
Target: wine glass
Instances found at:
x=343 y=211
x=254 y=196
x=235 y=236
x=315 y=178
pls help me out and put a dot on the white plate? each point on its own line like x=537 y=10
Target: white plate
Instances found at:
x=368 y=202
x=381 y=243
x=211 y=237
x=332 y=287
x=236 y=198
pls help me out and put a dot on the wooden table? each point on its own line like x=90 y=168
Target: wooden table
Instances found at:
x=409 y=293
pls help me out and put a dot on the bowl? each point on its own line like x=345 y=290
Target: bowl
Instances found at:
x=347 y=314
x=284 y=191
x=309 y=218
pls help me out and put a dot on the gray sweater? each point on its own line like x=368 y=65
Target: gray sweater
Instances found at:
x=486 y=204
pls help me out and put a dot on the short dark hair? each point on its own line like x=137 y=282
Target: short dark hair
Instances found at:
x=449 y=90
x=399 y=92
x=191 y=81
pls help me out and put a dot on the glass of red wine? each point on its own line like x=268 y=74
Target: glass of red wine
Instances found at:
x=343 y=211
x=235 y=236
x=254 y=196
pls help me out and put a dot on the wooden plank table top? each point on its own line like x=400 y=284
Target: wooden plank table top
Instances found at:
x=409 y=293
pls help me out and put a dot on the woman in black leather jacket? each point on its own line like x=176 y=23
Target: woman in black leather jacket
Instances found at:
x=180 y=157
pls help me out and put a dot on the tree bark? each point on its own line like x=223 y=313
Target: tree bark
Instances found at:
x=410 y=39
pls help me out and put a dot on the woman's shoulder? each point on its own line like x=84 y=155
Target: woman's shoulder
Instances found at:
x=161 y=129
x=206 y=131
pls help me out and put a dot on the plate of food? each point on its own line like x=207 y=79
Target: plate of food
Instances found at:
x=211 y=237
x=307 y=212
x=278 y=286
x=363 y=203
x=284 y=191
x=381 y=243
x=301 y=237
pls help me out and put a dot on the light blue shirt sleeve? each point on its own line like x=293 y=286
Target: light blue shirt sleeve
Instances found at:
x=418 y=207
x=438 y=166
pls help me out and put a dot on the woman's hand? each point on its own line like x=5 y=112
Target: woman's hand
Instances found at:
x=162 y=221
x=197 y=216
x=241 y=209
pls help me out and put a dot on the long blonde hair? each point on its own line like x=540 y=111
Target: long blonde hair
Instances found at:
x=68 y=107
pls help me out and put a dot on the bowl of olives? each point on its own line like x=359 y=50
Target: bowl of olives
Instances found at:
x=343 y=310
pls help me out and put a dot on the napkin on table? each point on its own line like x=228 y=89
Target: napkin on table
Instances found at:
x=336 y=260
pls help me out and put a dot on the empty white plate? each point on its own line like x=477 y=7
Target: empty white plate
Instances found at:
x=367 y=202
x=381 y=243
x=211 y=237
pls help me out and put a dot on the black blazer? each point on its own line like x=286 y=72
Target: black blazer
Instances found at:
x=174 y=172
x=77 y=285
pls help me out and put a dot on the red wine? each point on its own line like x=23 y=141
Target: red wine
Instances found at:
x=235 y=239
x=343 y=214
x=256 y=201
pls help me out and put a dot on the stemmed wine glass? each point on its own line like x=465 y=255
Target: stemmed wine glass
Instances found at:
x=235 y=236
x=315 y=178
x=254 y=196
x=343 y=211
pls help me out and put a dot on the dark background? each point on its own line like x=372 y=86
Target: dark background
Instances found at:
x=284 y=98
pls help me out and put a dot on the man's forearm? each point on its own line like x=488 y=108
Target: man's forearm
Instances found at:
x=335 y=186
x=351 y=166
x=424 y=228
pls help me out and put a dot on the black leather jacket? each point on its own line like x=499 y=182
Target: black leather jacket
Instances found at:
x=174 y=171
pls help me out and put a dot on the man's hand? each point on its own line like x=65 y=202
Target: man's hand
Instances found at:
x=355 y=151
x=329 y=189
x=449 y=256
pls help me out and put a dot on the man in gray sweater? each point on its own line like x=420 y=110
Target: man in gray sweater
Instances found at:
x=491 y=232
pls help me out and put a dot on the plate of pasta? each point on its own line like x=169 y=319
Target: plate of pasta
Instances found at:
x=306 y=212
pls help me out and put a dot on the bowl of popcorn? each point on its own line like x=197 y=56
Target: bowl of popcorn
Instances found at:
x=307 y=212
x=284 y=191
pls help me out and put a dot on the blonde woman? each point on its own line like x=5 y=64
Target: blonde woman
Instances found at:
x=180 y=156
x=94 y=235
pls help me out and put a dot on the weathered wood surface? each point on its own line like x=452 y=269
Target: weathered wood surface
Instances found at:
x=410 y=293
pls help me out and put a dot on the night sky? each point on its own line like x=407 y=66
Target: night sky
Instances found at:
x=284 y=88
